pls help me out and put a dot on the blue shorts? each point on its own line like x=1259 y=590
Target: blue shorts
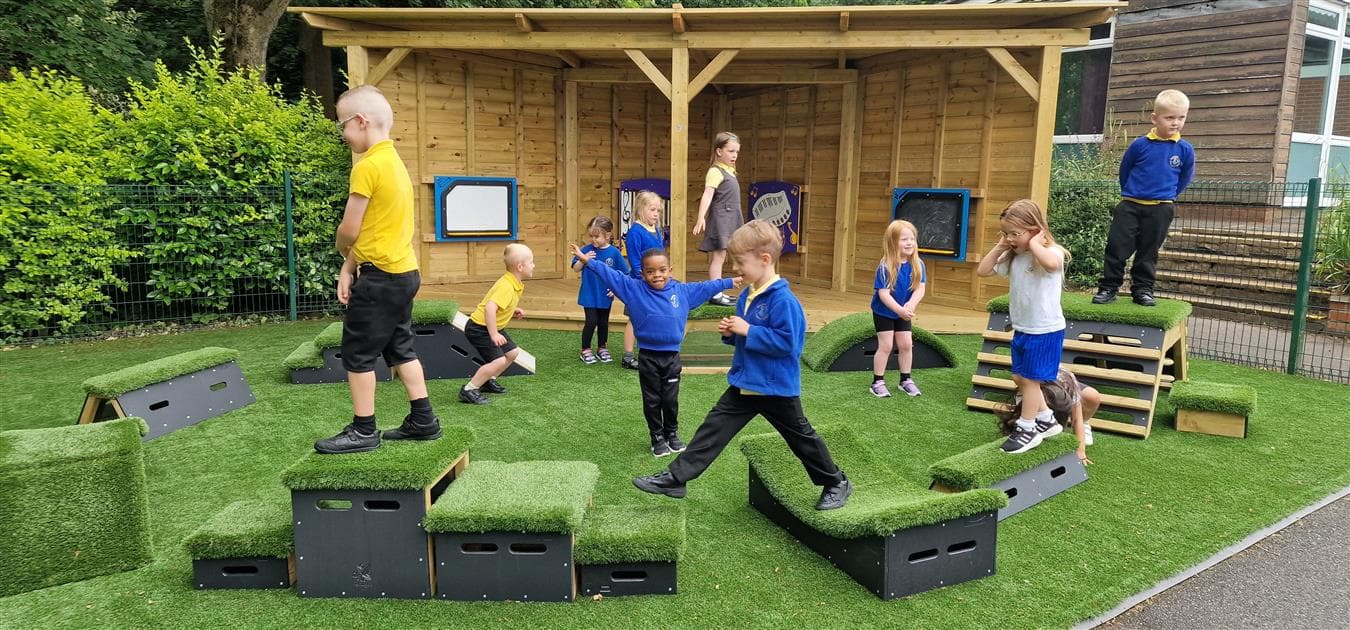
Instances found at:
x=1036 y=357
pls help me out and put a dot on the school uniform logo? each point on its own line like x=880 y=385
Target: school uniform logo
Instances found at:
x=761 y=312
x=674 y=300
x=1175 y=161
x=609 y=262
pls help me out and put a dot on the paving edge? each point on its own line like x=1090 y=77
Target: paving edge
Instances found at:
x=1220 y=556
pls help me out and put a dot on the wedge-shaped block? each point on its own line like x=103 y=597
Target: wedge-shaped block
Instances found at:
x=170 y=393
x=849 y=344
x=329 y=367
x=1026 y=478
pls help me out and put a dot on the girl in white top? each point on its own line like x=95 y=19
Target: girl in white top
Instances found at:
x=1028 y=256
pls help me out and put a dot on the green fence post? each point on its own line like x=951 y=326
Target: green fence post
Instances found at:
x=1305 y=260
x=290 y=240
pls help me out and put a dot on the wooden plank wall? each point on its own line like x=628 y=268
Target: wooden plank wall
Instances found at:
x=1233 y=59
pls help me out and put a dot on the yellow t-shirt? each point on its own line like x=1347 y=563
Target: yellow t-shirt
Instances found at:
x=714 y=177
x=505 y=293
x=386 y=233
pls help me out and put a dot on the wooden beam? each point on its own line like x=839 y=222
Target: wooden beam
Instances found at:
x=677 y=18
x=504 y=40
x=569 y=57
x=470 y=122
x=902 y=74
x=845 y=205
x=571 y=168
x=843 y=21
x=940 y=124
x=715 y=40
x=508 y=59
x=387 y=65
x=525 y=24
x=705 y=76
x=1016 y=71
x=782 y=131
x=1045 y=126
x=679 y=158
x=650 y=70
x=326 y=23
x=986 y=162
x=358 y=65
x=802 y=250
x=728 y=76
x=1089 y=19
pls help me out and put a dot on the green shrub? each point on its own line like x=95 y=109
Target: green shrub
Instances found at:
x=58 y=248
x=1080 y=216
x=1333 y=249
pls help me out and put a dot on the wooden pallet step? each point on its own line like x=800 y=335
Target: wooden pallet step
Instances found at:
x=1097 y=423
x=1087 y=346
x=1092 y=371
x=1108 y=399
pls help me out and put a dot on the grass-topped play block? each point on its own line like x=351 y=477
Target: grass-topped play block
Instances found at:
x=320 y=360
x=630 y=549
x=1026 y=478
x=1213 y=408
x=505 y=531
x=849 y=344
x=72 y=504
x=169 y=393
x=358 y=516
x=246 y=545
x=894 y=538
x=1128 y=352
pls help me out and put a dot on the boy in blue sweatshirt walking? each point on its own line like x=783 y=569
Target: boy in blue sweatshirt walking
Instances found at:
x=1154 y=171
x=768 y=331
x=658 y=306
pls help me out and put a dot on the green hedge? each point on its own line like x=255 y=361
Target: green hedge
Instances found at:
x=434 y=311
x=68 y=489
x=396 y=465
x=1079 y=306
x=244 y=529
x=835 y=338
x=1237 y=400
x=882 y=501
x=985 y=464
x=114 y=384
x=613 y=534
x=536 y=496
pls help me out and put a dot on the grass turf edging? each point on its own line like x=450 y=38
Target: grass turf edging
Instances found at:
x=612 y=534
x=329 y=337
x=307 y=355
x=985 y=464
x=835 y=338
x=244 y=529
x=1238 y=400
x=1078 y=306
x=712 y=311
x=882 y=502
x=533 y=496
x=434 y=311
x=114 y=384
x=396 y=465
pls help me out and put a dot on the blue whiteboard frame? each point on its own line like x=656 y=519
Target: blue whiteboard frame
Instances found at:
x=963 y=220
x=444 y=183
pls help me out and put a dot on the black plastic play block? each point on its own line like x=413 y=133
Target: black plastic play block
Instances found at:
x=1030 y=487
x=628 y=578
x=1026 y=479
x=859 y=357
x=332 y=370
x=498 y=566
x=177 y=402
x=243 y=573
x=446 y=353
x=906 y=561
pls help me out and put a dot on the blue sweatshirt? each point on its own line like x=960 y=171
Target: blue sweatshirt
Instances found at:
x=658 y=316
x=768 y=358
x=593 y=293
x=639 y=240
x=1156 y=169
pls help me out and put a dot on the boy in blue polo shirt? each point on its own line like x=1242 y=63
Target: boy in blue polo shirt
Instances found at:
x=768 y=331
x=1154 y=171
x=658 y=306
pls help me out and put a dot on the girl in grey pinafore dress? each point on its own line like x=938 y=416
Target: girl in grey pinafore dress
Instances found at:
x=724 y=214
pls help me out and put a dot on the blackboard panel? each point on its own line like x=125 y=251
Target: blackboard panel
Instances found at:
x=941 y=215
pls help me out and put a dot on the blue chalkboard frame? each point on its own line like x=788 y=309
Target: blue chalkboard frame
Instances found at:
x=443 y=184
x=962 y=220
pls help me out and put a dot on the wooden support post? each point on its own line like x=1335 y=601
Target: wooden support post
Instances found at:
x=426 y=223
x=358 y=65
x=387 y=65
x=1045 y=126
x=902 y=73
x=571 y=172
x=845 y=207
x=802 y=250
x=1016 y=71
x=648 y=68
x=709 y=72
x=782 y=131
x=986 y=159
x=940 y=126
x=679 y=158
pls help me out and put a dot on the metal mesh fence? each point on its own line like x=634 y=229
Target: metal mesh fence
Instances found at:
x=1236 y=252
x=79 y=260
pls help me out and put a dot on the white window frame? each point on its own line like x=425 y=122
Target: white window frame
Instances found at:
x=1096 y=44
x=1339 y=43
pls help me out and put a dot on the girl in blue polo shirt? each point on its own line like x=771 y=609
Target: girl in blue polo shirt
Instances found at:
x=593 y=297
x=897 y=290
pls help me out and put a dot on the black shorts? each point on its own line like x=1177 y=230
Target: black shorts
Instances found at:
x=884 y=324
x=482 y=341
x=378 y=321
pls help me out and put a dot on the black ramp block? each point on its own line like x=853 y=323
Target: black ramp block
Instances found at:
x=1030 y=487
x=258 y=572
x=332 y=370
x=361 y=543
x=634 y=578
x=498 y=566
x=859 y=357
x=188 y=399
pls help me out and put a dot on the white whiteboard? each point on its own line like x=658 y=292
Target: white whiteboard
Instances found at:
x=469 y=208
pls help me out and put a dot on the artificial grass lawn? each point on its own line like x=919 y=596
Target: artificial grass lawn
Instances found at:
x=1238 y=400
x=396 y=465
x=534 y=496
x=114 y=384
x=836 y=337
x=72 y=504
x=882 y=501
x=985 y=464
x=1151 y=508
x=244 y=529
x=1079 y=306
x=612 y=534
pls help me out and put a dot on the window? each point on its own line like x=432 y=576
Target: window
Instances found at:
x=1321 y=139
x=1083 y=73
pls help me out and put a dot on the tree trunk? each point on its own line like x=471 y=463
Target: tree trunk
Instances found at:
x=244 y=27
x=318 y=67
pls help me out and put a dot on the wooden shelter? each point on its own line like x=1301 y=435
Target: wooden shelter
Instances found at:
x=847 y=101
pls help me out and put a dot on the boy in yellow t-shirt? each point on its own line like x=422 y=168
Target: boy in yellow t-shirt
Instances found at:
x=379 y=277
x=485 y=325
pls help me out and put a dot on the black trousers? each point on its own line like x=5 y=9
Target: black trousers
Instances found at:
x=1137 y=229
x=731 y=413
x=597 y=322
x=659 y=375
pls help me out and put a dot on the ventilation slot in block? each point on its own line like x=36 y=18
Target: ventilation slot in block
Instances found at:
x=478 y=548
x=922 y=556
